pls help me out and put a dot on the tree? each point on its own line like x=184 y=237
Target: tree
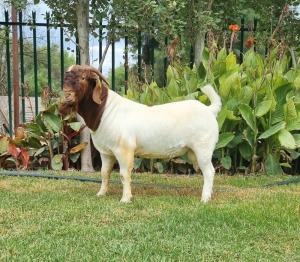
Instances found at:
x=63 y=11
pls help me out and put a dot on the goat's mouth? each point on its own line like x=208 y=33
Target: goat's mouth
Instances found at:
x=70 y=97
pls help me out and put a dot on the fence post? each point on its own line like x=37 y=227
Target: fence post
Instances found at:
x=22 y=66
x=126 y=65
x=166 y=63
x=49 y=52
x=8 y=75
x=113 y=72
x=100 y=43
x=242 y=41
x=62 y=57
x=36 y=90
x=15 y=66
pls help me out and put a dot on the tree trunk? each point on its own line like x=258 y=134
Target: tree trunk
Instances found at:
x=200 y=39
x=82 y=13
x=293 y=56
x=199 y=46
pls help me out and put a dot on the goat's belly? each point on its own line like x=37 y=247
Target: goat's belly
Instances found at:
x=157 y=151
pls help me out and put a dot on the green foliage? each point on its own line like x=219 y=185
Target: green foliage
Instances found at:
x=49 y=142
x=42 y=72
x=260 y=118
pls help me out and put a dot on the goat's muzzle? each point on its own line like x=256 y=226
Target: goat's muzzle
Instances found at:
x=70 y=97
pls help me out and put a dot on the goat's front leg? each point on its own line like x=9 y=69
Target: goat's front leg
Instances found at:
x=126 y=165
x=106 y=168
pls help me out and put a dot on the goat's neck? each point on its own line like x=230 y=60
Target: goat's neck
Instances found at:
x=92 y=112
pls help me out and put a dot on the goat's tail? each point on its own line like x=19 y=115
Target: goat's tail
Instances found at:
x=214 y=98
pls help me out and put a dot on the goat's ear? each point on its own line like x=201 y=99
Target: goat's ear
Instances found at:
x=97 y=92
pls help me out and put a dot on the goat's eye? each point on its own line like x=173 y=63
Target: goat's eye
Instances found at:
x=82 y=78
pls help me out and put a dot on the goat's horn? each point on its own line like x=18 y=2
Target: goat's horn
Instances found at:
x=95 y=70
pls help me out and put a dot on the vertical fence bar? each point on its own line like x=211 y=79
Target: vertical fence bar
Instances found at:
x=192 y=56
x=22 y=66
x=9 y=93
x=139 y=57
x=49 y=51
x=62 y=57
x=113 y=73
x=36 y=90
x=166 y=62
x=77 y=52
x=254 y=29
x=100 y=44
x=152 y=58
x=15 y=67
x=242 y=40
x=126 y=65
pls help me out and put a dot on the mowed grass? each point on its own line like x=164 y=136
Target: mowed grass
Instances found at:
x=63 y=220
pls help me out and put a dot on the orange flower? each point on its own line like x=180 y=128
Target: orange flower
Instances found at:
x=249 y=42
x=234 y=28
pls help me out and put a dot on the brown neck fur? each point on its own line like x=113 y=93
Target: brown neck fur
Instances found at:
x=91 y=111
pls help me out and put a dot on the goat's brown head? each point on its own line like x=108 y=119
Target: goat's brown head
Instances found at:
x=81 y=82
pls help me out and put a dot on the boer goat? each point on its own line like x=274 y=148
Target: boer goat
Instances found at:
x=122 y=129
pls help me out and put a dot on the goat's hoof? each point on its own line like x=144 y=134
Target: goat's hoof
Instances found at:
x=101 y=194
x=205 y=199
x=126 y=199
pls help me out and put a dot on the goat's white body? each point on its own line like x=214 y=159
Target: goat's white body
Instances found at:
x=129 y=129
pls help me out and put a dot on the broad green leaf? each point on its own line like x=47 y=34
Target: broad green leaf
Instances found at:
x=159 y=166
x=137 y=162
x=297 y=82
x=34 y=142
x=35 y=129
x=286 y=139
x=249 y=136
x=293 y=124
x=224 y=139
x=221 y=117
x=74 y=157
x=56 y=162
x=293 y=153
x=226 y=162
x=272 y=166
x=39 y=151
x=230 y=61
x=246 y=151
x=290 y=111
x=273 y=130
x=173 y=88
x=172 y=73
x=53 y=122
x=235 y=141
x=230 y=116
x=247 y=114
x=297 y=139
x=263 y=108
x=246 y=94
x=4 y=142
x=189 y=82
x=75 y=126
x=250 y=60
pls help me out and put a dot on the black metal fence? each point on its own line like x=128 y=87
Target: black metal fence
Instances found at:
x=47 y=25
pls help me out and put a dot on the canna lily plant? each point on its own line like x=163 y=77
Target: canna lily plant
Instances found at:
x=48 y=142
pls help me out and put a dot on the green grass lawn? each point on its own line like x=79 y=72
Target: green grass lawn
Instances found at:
x=63 y=220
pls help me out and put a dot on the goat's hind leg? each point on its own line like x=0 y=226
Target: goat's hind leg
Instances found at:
x=106 y=168
x=208 y=171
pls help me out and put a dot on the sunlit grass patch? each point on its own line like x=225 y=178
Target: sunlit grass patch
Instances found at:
x=63 y=220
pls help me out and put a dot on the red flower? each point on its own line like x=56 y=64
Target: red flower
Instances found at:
x=234 y=28
x=249 y=42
